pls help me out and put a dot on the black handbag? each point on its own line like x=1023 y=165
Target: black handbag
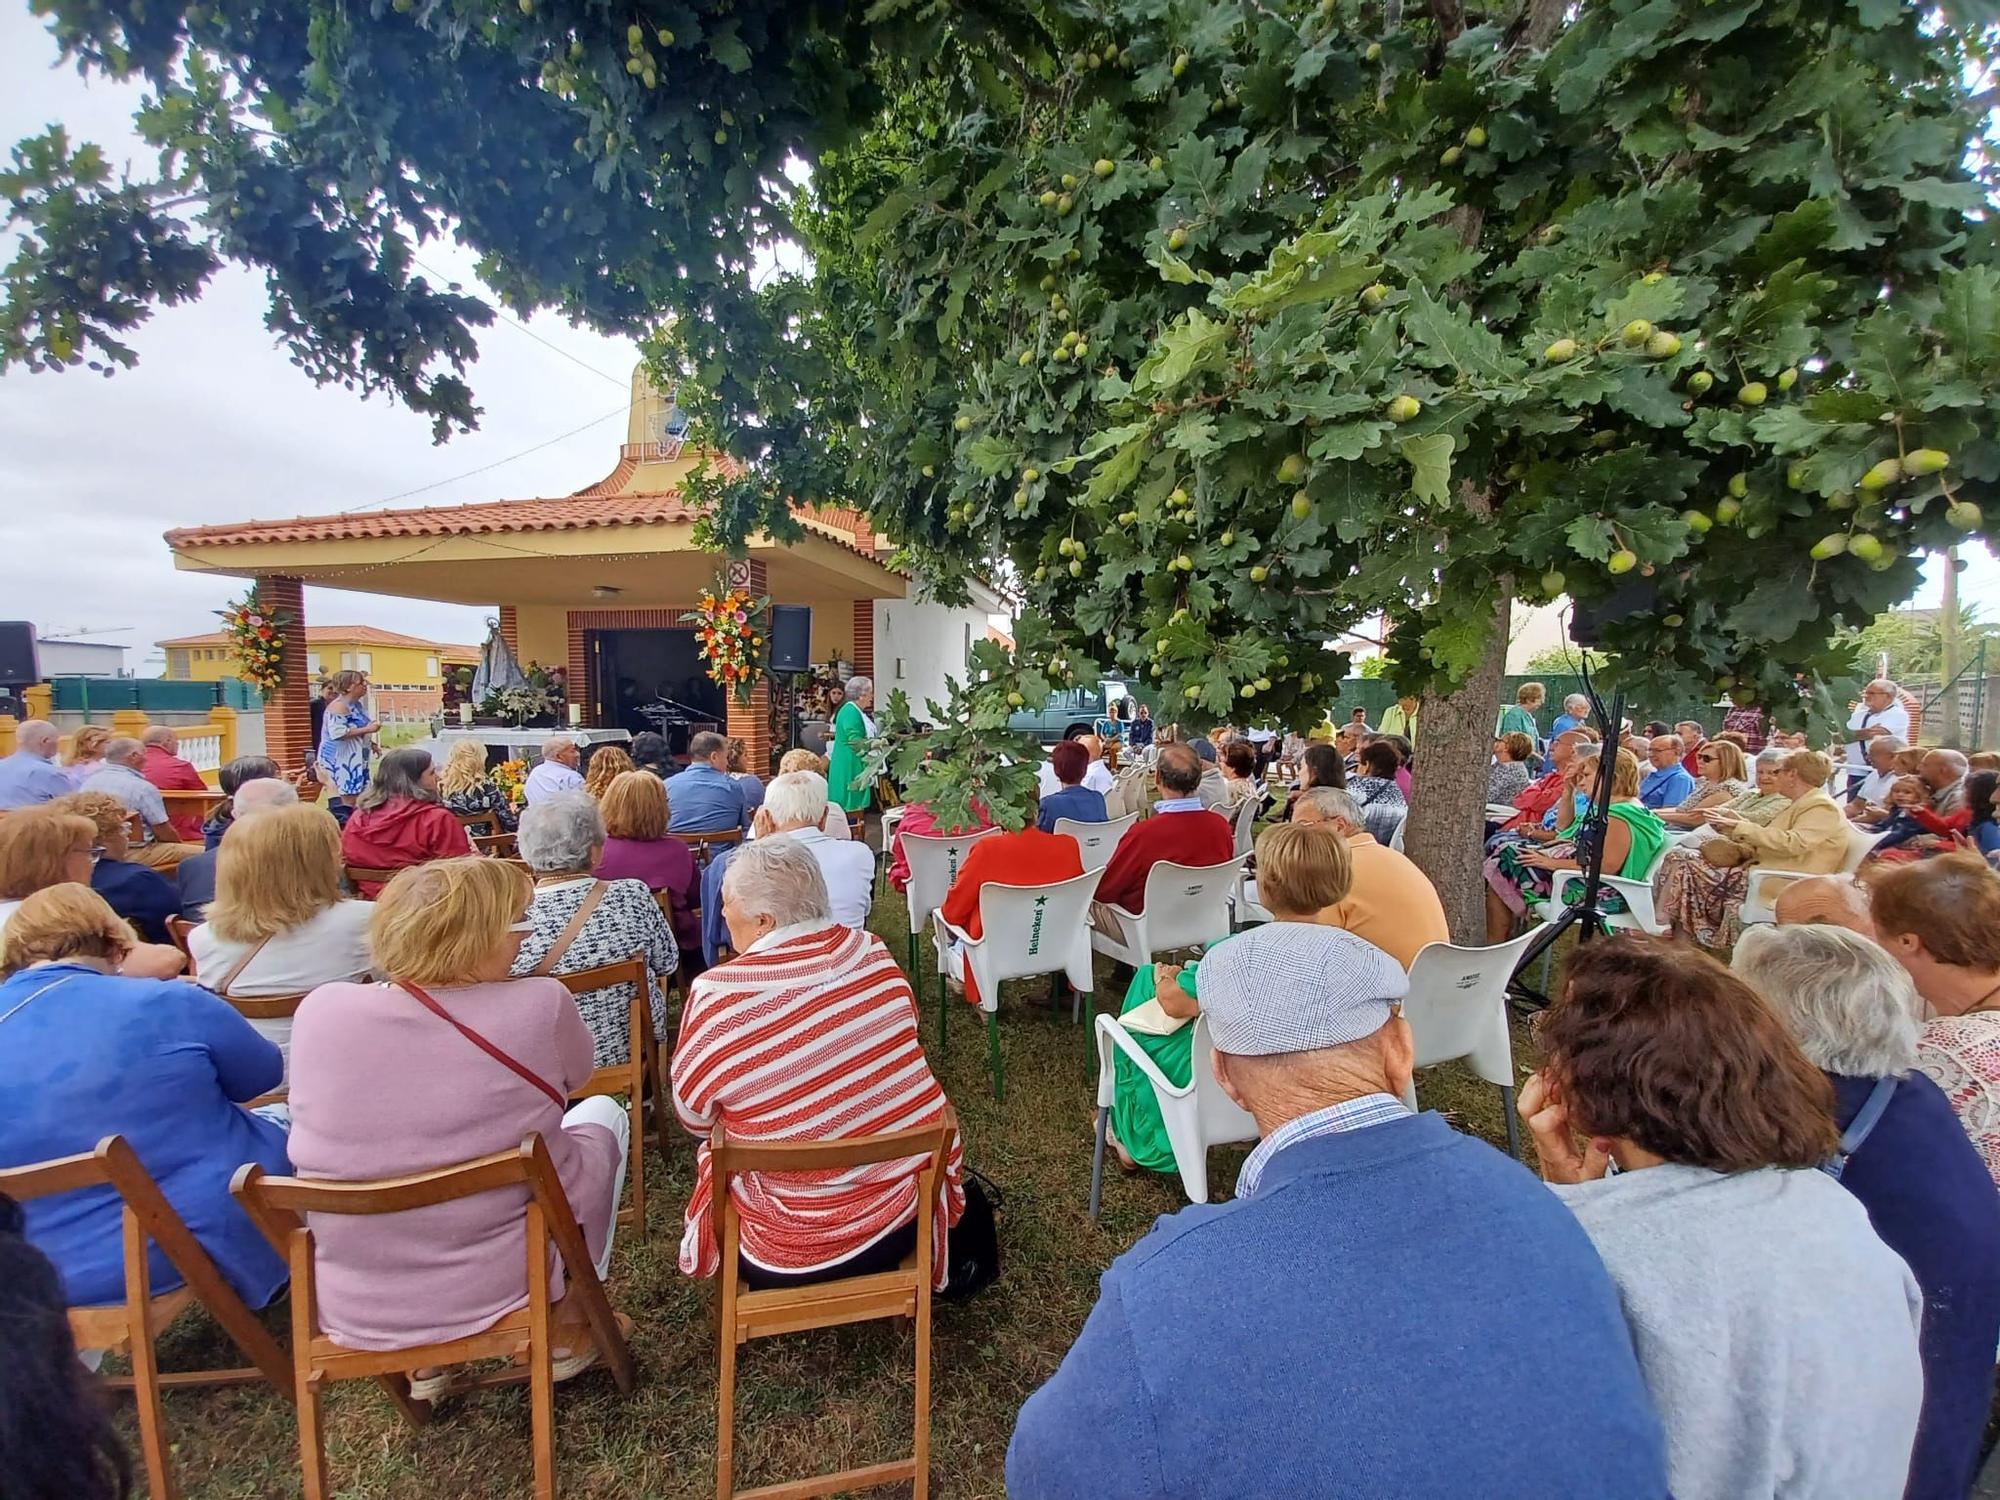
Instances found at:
x=972 y=1251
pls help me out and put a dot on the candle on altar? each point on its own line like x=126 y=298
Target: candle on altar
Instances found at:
x=465 y=715
x=576 y=716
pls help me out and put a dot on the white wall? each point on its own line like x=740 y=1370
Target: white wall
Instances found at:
x=929 y=642
x=80 y=658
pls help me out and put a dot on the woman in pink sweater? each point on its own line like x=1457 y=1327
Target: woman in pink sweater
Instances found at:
x=382 y=1085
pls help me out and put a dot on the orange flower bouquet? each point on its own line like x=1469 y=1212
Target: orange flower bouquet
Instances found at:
x=729 y=629
x=256 y=640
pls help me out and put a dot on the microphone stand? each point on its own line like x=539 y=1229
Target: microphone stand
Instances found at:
x=1582 y=915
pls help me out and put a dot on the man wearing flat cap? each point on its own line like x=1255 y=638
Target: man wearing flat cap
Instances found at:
x=1358 y=1319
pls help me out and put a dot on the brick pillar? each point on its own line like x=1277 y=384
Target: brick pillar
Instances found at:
x=751 y=722
x=582 y=681
x=510 y=629
x=863 y=650
x=288 y=711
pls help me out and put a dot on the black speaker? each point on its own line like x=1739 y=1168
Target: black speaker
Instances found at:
x=19 y=664
x=1635 y=596
x=791 y=637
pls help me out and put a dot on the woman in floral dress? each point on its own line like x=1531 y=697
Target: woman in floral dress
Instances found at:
x=346 y=739
x=1941 y=918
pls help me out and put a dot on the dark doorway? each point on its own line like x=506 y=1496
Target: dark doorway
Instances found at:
x=634 y=670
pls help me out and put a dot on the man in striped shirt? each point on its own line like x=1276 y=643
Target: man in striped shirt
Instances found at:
x=810 y=1034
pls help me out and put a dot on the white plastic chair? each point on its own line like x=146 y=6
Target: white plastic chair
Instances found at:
x=1186 y=905
x=1637 y=891
x=1243 y=825
x=892 y=818
x=934 y=860
x=1197 y=1116
x=1096 y=842
x=1025 y=930
x=1760 y=900
x=1396 y=838
x=1457 y=1007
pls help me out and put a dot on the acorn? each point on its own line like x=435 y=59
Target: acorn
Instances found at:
x=1868 y=548
x=1450 y=156
x=1964 y=515
x=1926 y=461
x=1176 y=239
x=1560 y=351
x=1292 y=468
x=1105 y=166
x=1373 y=52
x=1301 y=504
x=963 y=424
x=1739 y=485
x=1700 y=383
x=1624 y=560
x=1753 y=394
x=1788 y=378
x=1884 y=474
x=1476 y=137
x=1259 y=573
x=1553 y=581
x=1727 y=510
x=1636 y=332
x=1404 y=409
x=1663 y=345
x=1831 y=545
x=1697 y=521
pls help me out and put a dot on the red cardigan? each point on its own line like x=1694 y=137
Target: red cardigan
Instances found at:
x=170 y=773
x=1029 y=857
x=1186 y=838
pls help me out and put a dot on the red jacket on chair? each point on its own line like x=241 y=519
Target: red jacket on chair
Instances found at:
x=402 y=831
x=1186 y=838
x=1029 y=857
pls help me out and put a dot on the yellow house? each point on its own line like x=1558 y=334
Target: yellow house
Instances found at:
x=405 y=673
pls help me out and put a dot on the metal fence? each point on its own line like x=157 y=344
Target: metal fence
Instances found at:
x=90 y=696
x=1373 y=694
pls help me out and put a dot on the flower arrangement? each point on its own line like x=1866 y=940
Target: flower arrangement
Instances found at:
x=729 y=631
x=518 y=705
x=511 y=777
x=256 y=640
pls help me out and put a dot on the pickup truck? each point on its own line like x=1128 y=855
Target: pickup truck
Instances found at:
x=1070 y=711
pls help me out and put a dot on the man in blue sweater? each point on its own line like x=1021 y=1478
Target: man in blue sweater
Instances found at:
x=1667 y=784
x=1361 y=1319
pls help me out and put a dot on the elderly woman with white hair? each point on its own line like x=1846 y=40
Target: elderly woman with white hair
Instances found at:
x=579 y=922
x=797 y=973
x=853 y=727
x=1852 y=1009
x=794 y=808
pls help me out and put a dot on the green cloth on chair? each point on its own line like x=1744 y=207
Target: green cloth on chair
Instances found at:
x=1135 y=1110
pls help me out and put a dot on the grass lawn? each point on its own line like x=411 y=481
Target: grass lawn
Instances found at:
x=808 y=1402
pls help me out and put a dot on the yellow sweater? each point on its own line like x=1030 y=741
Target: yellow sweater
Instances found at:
x=1810 y=836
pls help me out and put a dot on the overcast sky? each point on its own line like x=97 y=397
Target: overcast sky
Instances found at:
x=215 y=424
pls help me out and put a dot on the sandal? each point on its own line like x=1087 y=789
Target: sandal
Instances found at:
x=566 y=1364
x=434 y=1386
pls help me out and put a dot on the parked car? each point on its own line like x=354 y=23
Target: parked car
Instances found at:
x=1071 y=711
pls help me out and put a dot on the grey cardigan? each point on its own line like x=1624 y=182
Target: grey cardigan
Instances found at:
x=1776 y=1332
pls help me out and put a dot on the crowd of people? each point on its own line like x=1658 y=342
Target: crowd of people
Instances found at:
x=1831 y=1087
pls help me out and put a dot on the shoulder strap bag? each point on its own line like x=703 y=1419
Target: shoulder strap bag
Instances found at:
x=519 y=1069
x=569 y=933
x=1863 y=1125
x=230 y=975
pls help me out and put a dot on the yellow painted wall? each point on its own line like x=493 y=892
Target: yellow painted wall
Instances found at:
x=542 y=634
x=387 y=666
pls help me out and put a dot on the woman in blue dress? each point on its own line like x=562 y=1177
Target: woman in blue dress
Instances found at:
x=86 y=1052
x=346 y=738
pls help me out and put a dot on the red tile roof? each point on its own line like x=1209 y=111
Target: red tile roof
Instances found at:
x=575 y=513
x=328 y=635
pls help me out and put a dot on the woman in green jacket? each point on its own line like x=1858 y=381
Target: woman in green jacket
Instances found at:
x=852 y=728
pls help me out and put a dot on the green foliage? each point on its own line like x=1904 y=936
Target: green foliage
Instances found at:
x=1365 y=316
x=1914 y=640
x=1563 y=660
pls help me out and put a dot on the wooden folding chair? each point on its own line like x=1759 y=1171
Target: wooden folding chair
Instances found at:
x=902 y=1293
x=640 y=1071
x=199 y=804
x=704 y=845
x=499 y=845
x=478 y=823
x=178 y=929
x=267 y=1008
x=277 y=1205
x=131 y=1326
x=358 y=874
